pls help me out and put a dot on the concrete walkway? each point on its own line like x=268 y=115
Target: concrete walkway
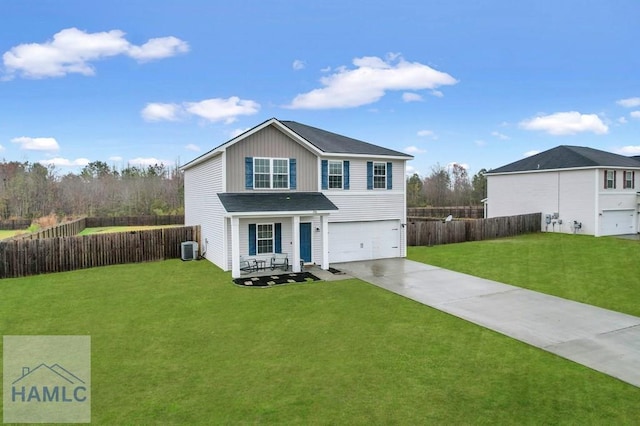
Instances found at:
x=603 y=340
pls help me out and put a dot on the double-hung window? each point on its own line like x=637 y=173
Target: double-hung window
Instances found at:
x=335 y=174
x=264 y=238
x=271 y=173
x=629 y=177
x=379 y=175
x=609 y=179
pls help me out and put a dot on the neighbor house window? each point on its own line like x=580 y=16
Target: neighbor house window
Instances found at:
x=335 y=174
x=271 y=173
x=379 y=175
x=629 y=179
x=264 y=238
x=609 y=179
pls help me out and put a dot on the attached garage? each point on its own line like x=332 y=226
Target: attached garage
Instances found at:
x=617 y=222
x=351 y=241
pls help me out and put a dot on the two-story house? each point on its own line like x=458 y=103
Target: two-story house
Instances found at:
x=285 y=187
x=577 y=189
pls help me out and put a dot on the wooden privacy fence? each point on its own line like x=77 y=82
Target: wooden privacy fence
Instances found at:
x=98 y=222
x=66 y=229
x=422 y=232
x=14 y=224
x=472 y=212
x=23 y=257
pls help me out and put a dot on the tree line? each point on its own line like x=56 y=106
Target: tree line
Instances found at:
x=32 y=190
x=446 y=186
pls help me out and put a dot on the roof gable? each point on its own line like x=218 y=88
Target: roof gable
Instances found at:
x=568 y=157
x=317 y=140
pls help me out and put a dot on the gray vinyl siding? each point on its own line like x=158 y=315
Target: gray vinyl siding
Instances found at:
x=271 y=143
x=358 y=174
x=202 y=206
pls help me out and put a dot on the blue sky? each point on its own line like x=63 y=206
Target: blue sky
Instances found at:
x=478 y=83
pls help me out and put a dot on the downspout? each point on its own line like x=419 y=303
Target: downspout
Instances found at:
x=596 y=218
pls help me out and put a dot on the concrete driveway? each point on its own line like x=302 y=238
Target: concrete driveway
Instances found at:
x=603 y=340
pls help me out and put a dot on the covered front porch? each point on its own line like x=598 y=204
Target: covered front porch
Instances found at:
x=259 y=226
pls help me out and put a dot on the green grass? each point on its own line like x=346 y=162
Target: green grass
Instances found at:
x=176 y=343
x=111 y=229
x=6 y=233
x=601 y=271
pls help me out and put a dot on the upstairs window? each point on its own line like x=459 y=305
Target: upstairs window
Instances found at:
x=609 y=179
x=379 y=175
x=271 y=173
x=335 y=174
x=629 y=179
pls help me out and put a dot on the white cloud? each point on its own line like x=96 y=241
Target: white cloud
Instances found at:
x=411 y=97
x=218 y=109
x=566 y=123
x=237 y=132
x=298 y=65
x=371 y=78
x=410 y=170
x=635 y=114
x=629 y=150
x=629 y=102
x=140 y=161
x=63 y=162
x=500 y=136
x=215 y=109
x=325 y=70
x=115 y=158
x=1 y=148
x=622 y=120
x=479 y=142
x=530 y=153
x=159 y=111
x=192 y=147
x=437 y=93
x=414 y=150
x=158 y=48
x=427 y=134
x=72 y=51
x=37 y=144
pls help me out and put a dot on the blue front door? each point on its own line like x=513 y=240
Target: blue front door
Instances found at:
x=305 y=242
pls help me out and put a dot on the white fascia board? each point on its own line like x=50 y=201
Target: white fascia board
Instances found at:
x=367 y=156
x=281 y=214
x=224 y=146
x=488 y=174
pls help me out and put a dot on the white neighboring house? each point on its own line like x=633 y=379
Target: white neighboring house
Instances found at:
x=582 y=190
x=285 y=187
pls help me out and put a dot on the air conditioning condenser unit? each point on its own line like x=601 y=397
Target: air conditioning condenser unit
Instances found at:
x=189 y=250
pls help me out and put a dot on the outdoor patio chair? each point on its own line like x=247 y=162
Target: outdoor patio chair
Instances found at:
x=280 y=260
x=247 y=264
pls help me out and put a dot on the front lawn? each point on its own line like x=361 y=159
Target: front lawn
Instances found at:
x=177 y=343
x=602 y=271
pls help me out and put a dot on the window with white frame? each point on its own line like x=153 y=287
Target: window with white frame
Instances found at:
x=610 y=179
x=335 y=174
x=629 y=179
x=271 y=173
x=379 y=175
x=264 y=238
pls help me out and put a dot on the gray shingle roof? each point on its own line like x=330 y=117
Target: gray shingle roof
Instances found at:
x=337 y=144
x=275 y=202
x=565 y=157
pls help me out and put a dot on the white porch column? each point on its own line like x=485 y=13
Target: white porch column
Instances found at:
x=295 y=232
x=235 y=247
x=324 y=227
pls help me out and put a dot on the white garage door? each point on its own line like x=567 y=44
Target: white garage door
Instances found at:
x=617 y=222
x=349 y=241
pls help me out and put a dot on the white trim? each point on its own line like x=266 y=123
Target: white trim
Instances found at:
x=295 y=233
x=329 y=174
x=280 y=214
x=273 y=237
x=490 y=173
x=271 y=173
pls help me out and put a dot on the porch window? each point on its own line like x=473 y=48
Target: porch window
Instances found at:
x=629 y=179
x=379 y=175
x=264 y=238
x=609 y=179
x=335 y=174
x=271 y=173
